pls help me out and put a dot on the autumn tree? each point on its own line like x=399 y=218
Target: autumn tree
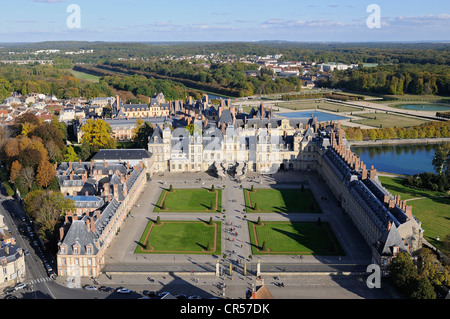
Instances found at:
x=70 y=155
x=98 y=134
x=14 y=171
x=47 y=208
x=45 y=173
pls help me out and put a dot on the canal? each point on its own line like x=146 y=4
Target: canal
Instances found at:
x=398 y=159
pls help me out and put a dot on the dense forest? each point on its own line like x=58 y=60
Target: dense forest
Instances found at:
x=403 y=68
x=222 y=78
x=419 y=79
x=383 y=53
x=47 y=80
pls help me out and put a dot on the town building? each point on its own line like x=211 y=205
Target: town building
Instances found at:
x=12 y=258
x=103 y=193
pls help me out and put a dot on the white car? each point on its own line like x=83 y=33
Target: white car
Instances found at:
x=90 y=288
x=123 y=291
x=20 y=286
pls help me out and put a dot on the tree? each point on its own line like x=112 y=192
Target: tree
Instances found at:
x=210 y=221
x=441 y=160
x=259 y=223
x=14 y=171
x=158 y=220
x=98 y=134
x=422 y=289
x=47 y=208
x=402 y=272
x=45 y=174
x=70 y=155
x=264 y=246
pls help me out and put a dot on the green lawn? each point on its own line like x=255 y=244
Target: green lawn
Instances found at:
x=294 y=238
x=280 y=201
x=387 y=120
x=433 y=211
x=190 y=200
x=85 y=76
x=180 y=237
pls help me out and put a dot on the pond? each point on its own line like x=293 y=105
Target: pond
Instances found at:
x=424 y=107
x=398 y=159
x=321 y=116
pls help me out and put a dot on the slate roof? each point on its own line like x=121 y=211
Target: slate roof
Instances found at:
x=122 y=154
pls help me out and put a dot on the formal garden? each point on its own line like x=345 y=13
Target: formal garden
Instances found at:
x=293 y=238
x=287 y=201
x=180 y=237
x=198 y=200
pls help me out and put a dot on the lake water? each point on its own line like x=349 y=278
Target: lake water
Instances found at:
x=321 y=116
x=425 y=107
x=398 y=159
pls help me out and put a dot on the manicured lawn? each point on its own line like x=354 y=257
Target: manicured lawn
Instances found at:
x=190 y=200
x=294 y=238
x=395 y=186
x=85 y=76
x=280 y=201
x=180 y=237
x=387 y=120
x=433 y=210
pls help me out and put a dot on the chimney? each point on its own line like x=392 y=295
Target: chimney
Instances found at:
x=93 y=226
x=373 y=172
x=408 y=211
x=116 y=191
x=364 y=172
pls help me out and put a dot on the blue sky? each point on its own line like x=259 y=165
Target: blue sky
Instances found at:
x=232 y=20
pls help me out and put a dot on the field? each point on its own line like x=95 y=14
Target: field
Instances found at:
x=294 y=238
x=190 y=200
x=280 y=201
x=387 y=120
x=313 y=104
x=180 y=237
x=430 y=208
x=85 y=76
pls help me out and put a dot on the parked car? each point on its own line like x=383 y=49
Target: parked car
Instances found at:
x=90 y=288
x=123 y=290
x=181 y=296
x=20 y=286
x=162 y=294
x=195 y=297
x=8 y=290
x=106 y=289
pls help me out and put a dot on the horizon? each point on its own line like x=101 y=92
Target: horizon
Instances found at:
x=305 y=21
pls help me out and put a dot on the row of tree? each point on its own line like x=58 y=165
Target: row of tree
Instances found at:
x=425 y=130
